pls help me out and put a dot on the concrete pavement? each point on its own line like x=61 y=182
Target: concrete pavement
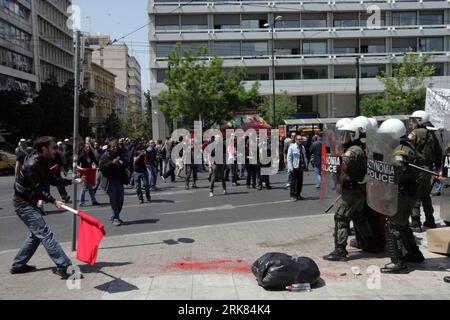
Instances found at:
x=213 y=262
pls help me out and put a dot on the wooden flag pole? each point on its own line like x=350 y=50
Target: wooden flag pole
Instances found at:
x=75 y=212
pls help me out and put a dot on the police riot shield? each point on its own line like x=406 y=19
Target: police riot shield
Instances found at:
x=382 y=176
x=332 y=151
x=445 y=191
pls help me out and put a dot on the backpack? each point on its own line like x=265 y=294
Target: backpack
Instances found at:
x=432 y=150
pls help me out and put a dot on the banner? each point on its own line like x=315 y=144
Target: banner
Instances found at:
x=438 y=106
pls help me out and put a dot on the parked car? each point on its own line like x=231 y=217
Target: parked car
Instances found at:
x=7 y=162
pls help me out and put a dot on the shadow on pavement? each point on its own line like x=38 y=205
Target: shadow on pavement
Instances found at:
x=169 y=242
x=162 y=201
x=145 y=221
x=100 y=265
x=116 y=285
x=432 y=264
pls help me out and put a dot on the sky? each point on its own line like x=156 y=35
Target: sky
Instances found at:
x=118 y=18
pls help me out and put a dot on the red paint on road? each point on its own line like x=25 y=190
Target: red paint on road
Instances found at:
x=235 y=266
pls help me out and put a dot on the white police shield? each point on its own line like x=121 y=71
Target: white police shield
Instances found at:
x=445 y=191
x=382 y=176
x=332 y=151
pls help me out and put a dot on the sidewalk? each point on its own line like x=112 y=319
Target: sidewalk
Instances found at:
x=214 y=263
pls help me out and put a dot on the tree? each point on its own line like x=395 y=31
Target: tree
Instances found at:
x=113 y=126
x=404 y=92
x=285 y=107
x=136 y=125
x=19 y=117
x=199 y=89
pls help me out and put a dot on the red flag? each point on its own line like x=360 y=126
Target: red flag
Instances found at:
x=90 y=235
x=90 y=175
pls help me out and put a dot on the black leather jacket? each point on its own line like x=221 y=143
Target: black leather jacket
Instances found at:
x=34 y=180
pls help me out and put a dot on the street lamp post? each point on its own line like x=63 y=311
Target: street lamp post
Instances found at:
x=272 y=26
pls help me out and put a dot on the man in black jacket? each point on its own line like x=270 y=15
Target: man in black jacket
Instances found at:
x=113 y=167
x=33 y=184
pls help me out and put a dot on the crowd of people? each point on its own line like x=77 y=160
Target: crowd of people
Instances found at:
x=139 y=163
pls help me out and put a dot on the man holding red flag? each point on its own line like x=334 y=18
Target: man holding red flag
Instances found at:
x=33 y=184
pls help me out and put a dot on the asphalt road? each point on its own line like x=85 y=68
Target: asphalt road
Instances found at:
x=171 y=208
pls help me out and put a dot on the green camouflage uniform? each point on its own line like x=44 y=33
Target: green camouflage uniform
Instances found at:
x=354 y=169
x=418 y=138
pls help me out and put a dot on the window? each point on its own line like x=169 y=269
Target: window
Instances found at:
x=401 y=45
x=287 y=73
x=431 y=44
x=305 y=104
x=372 y=71
x=254 y=48
x=193 y=46
x=163 y=49
x=346 y=46
x=314 y=47
x=167 y=22
x=431 y=18
x=344 y=20
x=319 y=72
x=407 y=18
x=226 y=21
x=287 y=47
x=255 y=74
x=344 y=72
x=227 y=48
x=289 y=20
x=438 y=69
x=194 y=22
x=253 y=21
x=161 y=75
x=314 y=20
x=373 y=45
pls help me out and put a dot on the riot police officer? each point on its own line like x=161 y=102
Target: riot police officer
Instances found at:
x=353 y=173
x=401 y=242
x=429 y=154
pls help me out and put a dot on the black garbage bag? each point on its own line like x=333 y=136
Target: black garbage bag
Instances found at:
x=276 y=271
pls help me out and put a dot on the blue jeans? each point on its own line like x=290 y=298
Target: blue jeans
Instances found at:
x=116 y=195
x=138 y=176
x=290 y=177
x=40 y=233
x=153 y=174
x=317 y=172
x=87 y=186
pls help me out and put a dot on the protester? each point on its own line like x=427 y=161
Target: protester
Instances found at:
x=113 y=166
x=152 y=164
x=297 y=164
x=32 y=184
x=87 y=160
x=140 y=173
x=316 y=152
x=287 y=144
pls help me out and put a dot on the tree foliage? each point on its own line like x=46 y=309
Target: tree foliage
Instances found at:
x=285 y=107
x=404 y=92
x=49 y=113
x=198 y=88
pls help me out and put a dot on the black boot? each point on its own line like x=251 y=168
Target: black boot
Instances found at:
x=416 y=224
x=413 y=253
x=430 y=222
x=339 y=254
x=397 y=264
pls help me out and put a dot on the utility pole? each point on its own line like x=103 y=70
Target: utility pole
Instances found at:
x=358 y=98
x=76 y=115
x=272 y=29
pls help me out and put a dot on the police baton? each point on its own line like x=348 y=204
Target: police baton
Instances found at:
x=423 y=170
x=333 y=204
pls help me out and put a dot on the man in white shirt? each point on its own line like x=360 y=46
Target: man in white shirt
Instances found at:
x=297 y=164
